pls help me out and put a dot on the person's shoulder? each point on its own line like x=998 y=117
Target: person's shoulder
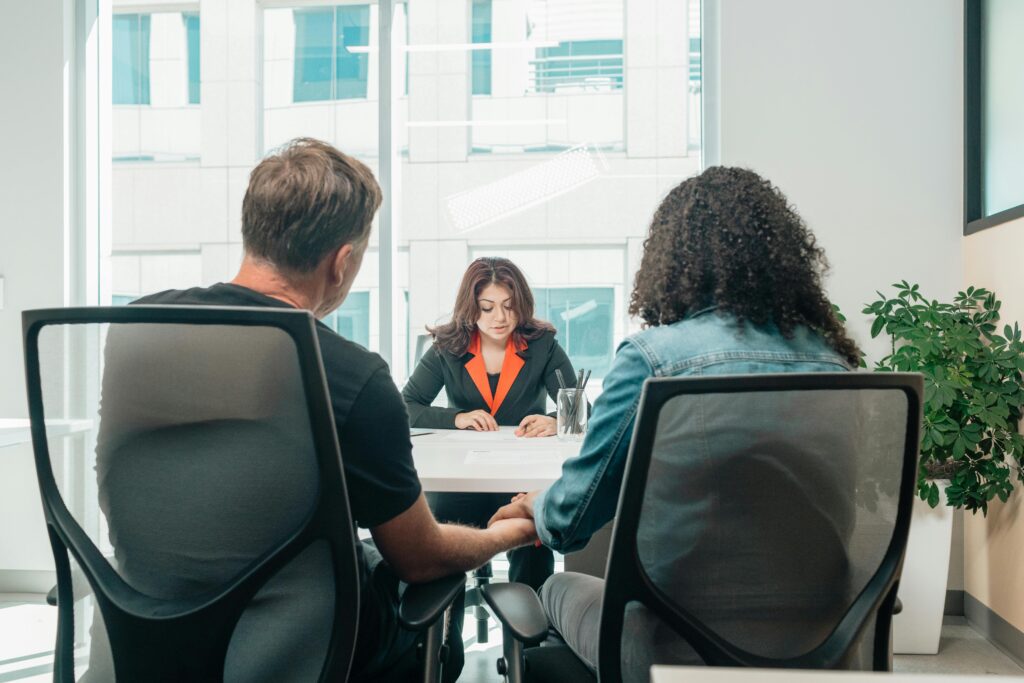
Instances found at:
x=169 y=296
x=545 y=339
x=336 y=349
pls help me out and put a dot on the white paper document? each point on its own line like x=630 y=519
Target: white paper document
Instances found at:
x=469 y=436
x=510 y=457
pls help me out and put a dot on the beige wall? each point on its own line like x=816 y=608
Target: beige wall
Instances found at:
x=994 y=546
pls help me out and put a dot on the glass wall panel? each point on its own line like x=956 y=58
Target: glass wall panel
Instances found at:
x=543 y=130
x=591 y=116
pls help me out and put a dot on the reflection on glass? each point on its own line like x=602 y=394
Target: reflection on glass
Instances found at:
x=131 y=59
x=352 y=319
x=481 y=57
x=325 y=66
x=191 y=20
x=544 y=130
x=584 y=320
x=155 y=80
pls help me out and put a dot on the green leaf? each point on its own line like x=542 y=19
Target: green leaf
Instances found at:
x=877 y=326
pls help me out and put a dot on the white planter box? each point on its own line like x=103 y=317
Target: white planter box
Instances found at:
x=923 y=585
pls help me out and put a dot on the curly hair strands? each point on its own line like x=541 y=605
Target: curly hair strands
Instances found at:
x=729 y=238
x=455 y=335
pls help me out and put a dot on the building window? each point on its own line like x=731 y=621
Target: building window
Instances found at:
x=130 y=48
x=325 y=68
x=695 y=64
x=191 y=20
x=579 y=65
x=481 y=59
x=583 y=318
x=352 y=319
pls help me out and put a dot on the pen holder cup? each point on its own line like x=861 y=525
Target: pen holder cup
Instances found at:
x=572 y=415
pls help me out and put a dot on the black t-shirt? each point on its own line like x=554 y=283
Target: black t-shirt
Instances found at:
x=172 y=556
x=370 y=415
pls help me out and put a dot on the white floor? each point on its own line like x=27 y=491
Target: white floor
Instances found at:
x=27 y=627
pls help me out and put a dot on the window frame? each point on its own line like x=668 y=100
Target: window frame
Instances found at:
x=975 y=219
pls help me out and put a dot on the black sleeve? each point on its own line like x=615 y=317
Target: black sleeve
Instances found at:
x=422 y=388
x=376 y=450
x=558 y=359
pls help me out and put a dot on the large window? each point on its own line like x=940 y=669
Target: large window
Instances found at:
x=546 y=131
x=994 y=103
x=326 y=66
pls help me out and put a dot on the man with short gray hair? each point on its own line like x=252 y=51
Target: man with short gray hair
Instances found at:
x=306 y=221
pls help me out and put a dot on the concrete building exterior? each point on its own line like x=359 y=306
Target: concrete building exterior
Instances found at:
x=542 y=130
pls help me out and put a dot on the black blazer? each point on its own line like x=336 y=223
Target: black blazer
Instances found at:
x=440 y=368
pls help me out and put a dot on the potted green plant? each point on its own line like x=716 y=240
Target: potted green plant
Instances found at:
x=970 y=442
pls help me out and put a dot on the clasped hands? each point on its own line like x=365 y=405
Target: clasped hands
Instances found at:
x=519 y=508
x=483 y=421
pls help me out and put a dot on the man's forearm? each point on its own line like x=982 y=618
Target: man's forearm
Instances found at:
x=464 y=548
x=468 y=548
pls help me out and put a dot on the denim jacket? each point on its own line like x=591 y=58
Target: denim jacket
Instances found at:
x=706 y=343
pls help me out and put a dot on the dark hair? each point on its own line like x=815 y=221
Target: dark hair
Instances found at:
x=305 y=201
x=728 y=238
x=455 y=335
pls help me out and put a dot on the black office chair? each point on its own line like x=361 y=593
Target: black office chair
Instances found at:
x=220 y=487
x=762 y=522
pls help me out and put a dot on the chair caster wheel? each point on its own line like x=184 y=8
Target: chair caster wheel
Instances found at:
x=502 y=667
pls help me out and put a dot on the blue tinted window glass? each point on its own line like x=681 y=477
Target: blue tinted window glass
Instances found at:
x=481 y=59
x=122 y=299
x=695 y=60
x=314 y=31
x=130 y=57
x=353 y=30
x=352 y=319
x=192 y=36
x=583 y=317
x=579 y=63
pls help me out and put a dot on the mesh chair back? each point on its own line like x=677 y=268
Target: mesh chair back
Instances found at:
x=762 y=522
x=201 y=493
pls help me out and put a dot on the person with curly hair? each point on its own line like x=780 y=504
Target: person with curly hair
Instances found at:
x=730 y=283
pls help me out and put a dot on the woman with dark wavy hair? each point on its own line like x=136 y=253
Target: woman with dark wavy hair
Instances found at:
x=497 y=364
x=729 y=283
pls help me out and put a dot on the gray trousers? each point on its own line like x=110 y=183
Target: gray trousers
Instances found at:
x=572 y=603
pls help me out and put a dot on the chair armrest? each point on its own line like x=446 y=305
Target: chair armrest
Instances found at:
x=423 y=603
x=518 y=609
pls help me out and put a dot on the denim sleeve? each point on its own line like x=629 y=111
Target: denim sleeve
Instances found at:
x=585 y=497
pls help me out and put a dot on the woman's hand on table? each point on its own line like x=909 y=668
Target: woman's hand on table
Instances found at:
x=479 y=420
x=537 y=425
